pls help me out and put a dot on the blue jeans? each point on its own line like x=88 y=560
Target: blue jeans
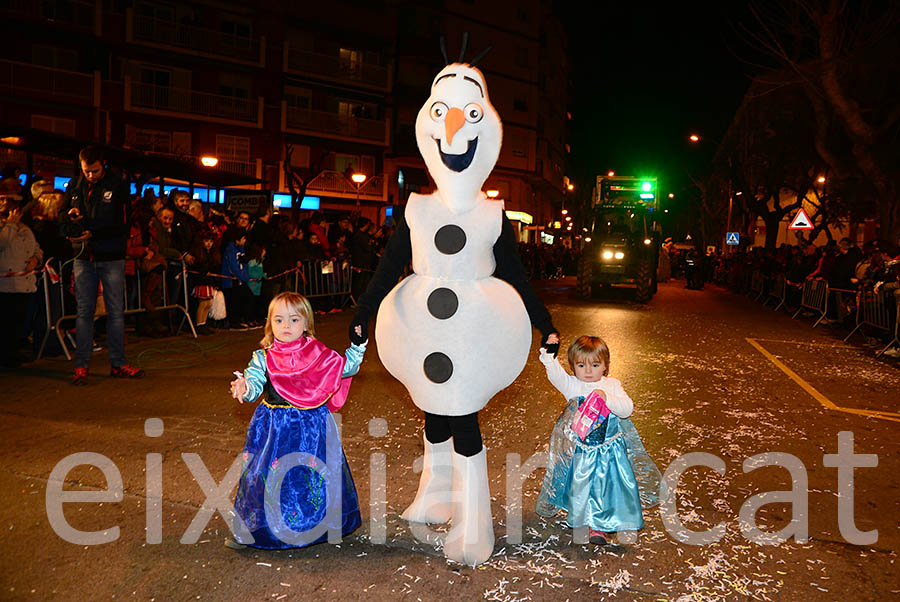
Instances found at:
x=112 y=275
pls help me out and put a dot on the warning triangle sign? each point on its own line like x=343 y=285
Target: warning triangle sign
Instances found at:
x=801 y=221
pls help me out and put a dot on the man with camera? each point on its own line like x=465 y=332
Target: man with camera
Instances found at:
x=94 y=220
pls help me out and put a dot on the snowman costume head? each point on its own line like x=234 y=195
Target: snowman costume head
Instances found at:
x=459 y=134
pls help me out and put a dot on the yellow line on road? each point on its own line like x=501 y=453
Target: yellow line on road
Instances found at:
x=831 y=345
x=827 y=403
x=795 y=377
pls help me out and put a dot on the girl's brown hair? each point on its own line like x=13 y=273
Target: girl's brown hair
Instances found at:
x=295 y=302
x=589 y=349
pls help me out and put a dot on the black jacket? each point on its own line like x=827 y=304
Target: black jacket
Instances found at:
x=104 y=207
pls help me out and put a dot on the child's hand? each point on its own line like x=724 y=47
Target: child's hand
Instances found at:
x=239 y=387
x=358 y=330
x=601 y=394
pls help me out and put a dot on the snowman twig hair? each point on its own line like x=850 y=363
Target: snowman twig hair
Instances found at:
x=444 y=50
x=465 y=45
x=480 y=56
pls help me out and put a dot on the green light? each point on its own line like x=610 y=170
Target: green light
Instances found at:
x=647 y=186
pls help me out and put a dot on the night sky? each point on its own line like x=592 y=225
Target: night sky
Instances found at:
x=644 y=77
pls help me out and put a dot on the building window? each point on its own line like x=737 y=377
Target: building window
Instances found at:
x=154 y=141
x=351 y=60
x=348 y=164
x=57 y=125
x=299 y=155
x=235 y=34
x=232 y=148
x=298 y=98
x=58 y=58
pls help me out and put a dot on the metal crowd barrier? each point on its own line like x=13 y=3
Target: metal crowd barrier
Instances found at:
x=815 y=298
x=168 y=303
x=777 y=292
x=325 y=279
x=757 y=284
x=874 y=309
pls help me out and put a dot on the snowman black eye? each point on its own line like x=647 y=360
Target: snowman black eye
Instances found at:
x=438 y=111
x=474 y=112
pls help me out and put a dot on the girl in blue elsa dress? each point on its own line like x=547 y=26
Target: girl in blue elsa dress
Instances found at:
x=603 y=481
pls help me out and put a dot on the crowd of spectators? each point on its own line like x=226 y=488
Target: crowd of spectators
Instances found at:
x=244 y=256
x=848 y=269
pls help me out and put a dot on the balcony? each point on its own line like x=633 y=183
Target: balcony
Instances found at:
x=163 y=100
x=336 y=184
x=333 y=125
x=331 y=67
x=199 y=41
x=76 y=14
x=25 y=80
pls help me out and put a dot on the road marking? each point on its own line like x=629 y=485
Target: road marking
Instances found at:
x=831 y=345
x=827 y=403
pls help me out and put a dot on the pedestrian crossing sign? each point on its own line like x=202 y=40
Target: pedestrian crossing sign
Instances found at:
x=801 y=221
x=733 y=238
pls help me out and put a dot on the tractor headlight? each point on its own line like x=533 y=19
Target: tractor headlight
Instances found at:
x=607 y=254
x=647 y=241
x=619 y=254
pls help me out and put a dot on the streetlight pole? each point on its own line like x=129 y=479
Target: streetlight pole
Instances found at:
x=358 y=178
x=695 y=138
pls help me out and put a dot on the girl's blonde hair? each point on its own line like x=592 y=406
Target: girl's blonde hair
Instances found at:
x=589 y=349
x=295 y=302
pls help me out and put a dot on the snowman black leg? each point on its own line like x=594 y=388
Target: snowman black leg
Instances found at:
x=437 y=428
x=466 y=434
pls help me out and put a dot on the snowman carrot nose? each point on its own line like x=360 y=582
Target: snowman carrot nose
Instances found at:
x=454 y=120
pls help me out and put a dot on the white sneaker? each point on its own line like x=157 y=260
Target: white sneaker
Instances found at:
x=433 y=500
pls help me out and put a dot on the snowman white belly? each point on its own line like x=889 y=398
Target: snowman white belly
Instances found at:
x=452 y=360
x=452 y=333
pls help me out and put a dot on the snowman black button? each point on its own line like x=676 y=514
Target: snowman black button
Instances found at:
x=450 y=239
x=438 y=367
x=442 y=303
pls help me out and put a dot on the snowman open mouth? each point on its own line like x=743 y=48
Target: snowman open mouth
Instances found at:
x=458 y=162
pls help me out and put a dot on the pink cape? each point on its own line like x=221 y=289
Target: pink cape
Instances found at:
x=307 y=374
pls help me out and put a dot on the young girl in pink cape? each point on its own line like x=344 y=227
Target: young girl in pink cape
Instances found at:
x=295 y=485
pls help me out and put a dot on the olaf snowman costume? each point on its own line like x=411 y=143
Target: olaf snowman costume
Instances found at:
x=458 y=330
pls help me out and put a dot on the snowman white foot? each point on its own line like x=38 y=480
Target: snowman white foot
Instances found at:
x=433 y=502
x=471 y=540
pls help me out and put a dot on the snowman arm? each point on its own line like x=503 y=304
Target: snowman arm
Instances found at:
x=510 y=269
x=397 y=255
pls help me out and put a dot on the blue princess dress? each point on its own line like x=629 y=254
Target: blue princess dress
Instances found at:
x=296 y=485
x=603 y=481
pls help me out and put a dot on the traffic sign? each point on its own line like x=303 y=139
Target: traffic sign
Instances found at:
x=801 y=221
x=733 y=238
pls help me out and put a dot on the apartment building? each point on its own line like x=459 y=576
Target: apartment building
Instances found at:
x=305 y=96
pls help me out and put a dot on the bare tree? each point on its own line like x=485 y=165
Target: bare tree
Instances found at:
x=845 y=57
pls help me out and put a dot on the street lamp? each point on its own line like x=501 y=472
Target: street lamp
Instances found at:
x=209 y=161
x=492 y=194
x=359 y=178
x=571 y=187
x=610 y=173
x=694 y=138
x=821 y=180
x=671 y=195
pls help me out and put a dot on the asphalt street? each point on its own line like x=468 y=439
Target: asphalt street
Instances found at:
x=709 y=371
